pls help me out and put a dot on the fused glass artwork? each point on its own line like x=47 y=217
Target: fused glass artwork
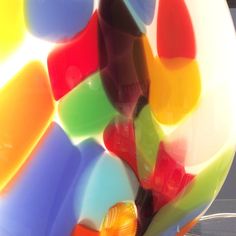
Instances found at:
x=117 y=117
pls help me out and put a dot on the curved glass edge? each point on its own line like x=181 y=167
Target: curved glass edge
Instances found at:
x=219 y=220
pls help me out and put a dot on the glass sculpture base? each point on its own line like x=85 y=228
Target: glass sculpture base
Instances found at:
x=220 y=220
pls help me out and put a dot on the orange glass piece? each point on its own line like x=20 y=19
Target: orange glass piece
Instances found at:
x=26 y=107
x=174 y=89
x=188 y=227
x=81 y=230
x=120 y=220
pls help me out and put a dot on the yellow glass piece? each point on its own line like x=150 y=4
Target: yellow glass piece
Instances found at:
x=120 y=220
x=12 y=27
x=175 y=86
x=174 y=89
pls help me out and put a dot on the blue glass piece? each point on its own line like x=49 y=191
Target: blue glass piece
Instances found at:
x=109 y=182
x=142 y=11
x=32 y=204
x=172 y=231
x=57 y=20
x=90 y=152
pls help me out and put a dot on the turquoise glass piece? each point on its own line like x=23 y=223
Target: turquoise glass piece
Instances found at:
x=90 y=152
x=142 y=11
x=109 y=182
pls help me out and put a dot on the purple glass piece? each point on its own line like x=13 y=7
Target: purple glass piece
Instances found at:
x=121 y=56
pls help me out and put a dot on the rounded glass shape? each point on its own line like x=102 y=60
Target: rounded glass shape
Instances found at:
x=117 y=117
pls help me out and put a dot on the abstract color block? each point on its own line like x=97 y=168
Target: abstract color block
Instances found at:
x=70 y=63
x=34 y=202
x=57 y=20
x=119 y=138
x=148 y=135
x=195 y=195
x=12 y=27
x=121 y=219
x=169 y=178
x=90 y=152
x=175 y=34
x=26 y=109
x=141 y=10
x=80 y=230
x=109 y=182
x=175 y=89
x=86 y=109
x=123 y=68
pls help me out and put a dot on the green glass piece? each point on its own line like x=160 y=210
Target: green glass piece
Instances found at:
x=147 y=136
x=86 y=109
x=200 y=192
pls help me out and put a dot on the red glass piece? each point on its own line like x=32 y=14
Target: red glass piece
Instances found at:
x=169 y=178
x=119 y=138
x=175 y=34
x=81 y=230
x=70 y=63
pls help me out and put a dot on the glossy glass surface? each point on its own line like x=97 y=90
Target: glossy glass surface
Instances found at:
x=117 y=117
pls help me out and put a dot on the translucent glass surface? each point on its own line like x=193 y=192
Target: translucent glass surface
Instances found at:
x=117 y=117
x=219 y=220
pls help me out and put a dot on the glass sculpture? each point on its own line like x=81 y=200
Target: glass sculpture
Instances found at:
x=117 y=117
